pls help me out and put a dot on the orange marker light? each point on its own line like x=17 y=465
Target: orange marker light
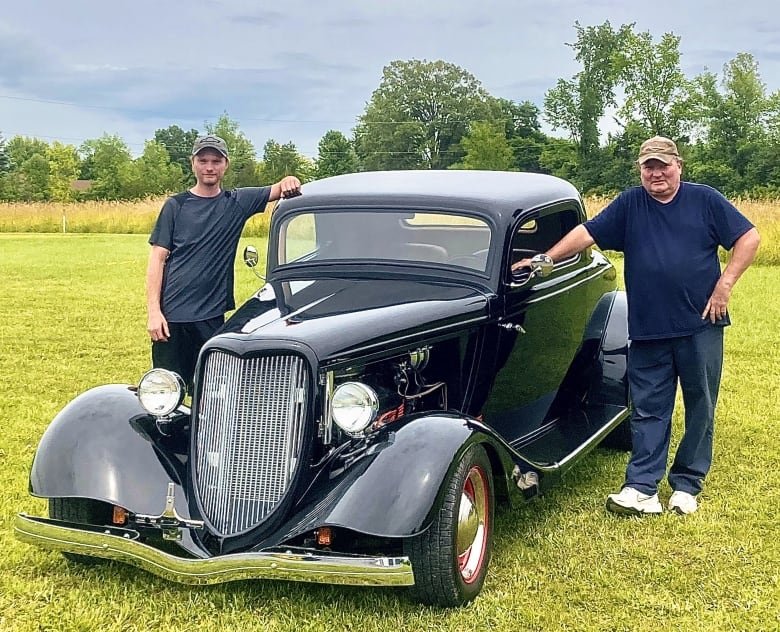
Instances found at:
x=324 y=536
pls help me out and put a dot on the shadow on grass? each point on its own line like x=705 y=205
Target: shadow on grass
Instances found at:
x=582 y=489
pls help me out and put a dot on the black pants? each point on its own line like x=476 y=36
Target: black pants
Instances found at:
x=180 y=352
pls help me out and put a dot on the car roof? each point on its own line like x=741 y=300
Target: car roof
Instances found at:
x=497 y=193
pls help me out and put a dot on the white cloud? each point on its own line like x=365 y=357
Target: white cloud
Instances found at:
x=294 y=72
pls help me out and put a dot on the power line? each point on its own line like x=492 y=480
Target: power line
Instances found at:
x=257 y=119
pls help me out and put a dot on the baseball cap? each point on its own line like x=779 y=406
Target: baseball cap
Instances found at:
x=210 y=142
x=658 y=148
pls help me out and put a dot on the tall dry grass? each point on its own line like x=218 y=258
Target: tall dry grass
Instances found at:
x=125 y=217
x=138 y=218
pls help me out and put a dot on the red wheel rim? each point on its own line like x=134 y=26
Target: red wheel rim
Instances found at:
x=472 y=527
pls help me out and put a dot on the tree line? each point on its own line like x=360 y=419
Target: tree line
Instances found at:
x=436 y=115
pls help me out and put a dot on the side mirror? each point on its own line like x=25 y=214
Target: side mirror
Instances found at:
x=251 y=256
x=541 y=265
x=251 y=259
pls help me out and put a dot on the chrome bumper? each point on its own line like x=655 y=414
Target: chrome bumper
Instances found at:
x=293 y=564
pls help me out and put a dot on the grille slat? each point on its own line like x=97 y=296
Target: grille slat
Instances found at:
x=248 y=436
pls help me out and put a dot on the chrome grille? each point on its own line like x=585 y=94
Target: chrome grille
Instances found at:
x=249 y=433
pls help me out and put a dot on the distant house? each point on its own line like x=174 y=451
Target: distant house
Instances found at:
x=81 y=185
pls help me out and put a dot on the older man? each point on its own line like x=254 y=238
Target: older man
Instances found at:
x=670 y=231
x=189 y=279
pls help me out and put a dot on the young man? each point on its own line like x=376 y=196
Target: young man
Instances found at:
x=189 y=279
x=670 y=232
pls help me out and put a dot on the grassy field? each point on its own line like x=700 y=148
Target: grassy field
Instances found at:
x=73 y=316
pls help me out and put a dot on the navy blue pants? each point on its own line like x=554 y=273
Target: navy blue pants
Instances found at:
x=654 y=369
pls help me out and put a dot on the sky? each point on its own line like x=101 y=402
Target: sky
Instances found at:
x=71 y=71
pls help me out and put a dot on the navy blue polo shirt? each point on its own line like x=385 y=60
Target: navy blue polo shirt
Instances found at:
x=671 y=254
x=202 y=235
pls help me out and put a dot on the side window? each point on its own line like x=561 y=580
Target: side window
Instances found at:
x=540 y=234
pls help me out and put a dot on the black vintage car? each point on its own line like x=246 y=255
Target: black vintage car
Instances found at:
x=359 y=417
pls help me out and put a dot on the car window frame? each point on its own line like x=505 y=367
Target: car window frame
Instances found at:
x=536 y=214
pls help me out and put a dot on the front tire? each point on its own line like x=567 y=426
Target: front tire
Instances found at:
x=450 y=559
x=83 y=511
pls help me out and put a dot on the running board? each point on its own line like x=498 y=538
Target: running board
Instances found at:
x=562 y=442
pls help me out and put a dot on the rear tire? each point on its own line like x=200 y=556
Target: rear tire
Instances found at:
x=83 y=511
x=450 y=559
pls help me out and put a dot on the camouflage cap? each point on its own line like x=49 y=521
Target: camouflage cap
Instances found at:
x=658 y=148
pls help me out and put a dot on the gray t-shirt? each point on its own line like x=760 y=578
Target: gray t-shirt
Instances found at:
x=202 y=235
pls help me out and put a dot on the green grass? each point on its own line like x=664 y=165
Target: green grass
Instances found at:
x=73 y=316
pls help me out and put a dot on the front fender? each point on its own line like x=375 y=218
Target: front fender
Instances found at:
x=92 y=450
x=396 y=486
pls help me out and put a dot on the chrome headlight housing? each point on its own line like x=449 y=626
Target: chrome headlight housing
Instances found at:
x=354 y=406
x=160 y=392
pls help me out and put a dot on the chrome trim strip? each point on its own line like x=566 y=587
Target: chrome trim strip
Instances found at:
x=568 y=287
x=292 y=564
x=585 y=447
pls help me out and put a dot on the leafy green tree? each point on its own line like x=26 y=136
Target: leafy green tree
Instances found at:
x=283 y=160
x=559 y=158
x=576 y=105
x=335 y=155
x=20 y=149
x=737 y=129
x=64 y=167
x=106 y=160
x=178 y=144
x=657 y=94
x=28 y=170
x=486 y=147
x=523 y=132
x=152 y=173
x=418 y=115
x=33 y=177
x=243 y=161
x=5 y=161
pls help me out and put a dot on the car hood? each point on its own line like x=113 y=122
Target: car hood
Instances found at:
x=337 y=317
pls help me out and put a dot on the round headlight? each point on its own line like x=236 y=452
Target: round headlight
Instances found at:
x=354 y=407
x=160 y=391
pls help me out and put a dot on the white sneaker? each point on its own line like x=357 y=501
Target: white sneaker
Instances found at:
x=683 y=503
x=632 y=502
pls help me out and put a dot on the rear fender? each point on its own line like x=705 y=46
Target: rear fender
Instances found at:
x=96 y=447
x=598 y=374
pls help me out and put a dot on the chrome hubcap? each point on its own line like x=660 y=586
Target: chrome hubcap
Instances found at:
x=471 y=537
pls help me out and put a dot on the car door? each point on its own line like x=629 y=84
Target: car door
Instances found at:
x=541 y=328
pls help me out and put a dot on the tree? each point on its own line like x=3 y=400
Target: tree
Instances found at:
x=243 y=161
x=5 y=161
x=283 y=160
x=33 y=175
x=64 y=166
x=657 y=93
x=152 y=173
x=20 y=149
x=737 y=129
x=28 y=169
x=178 y=144
x=486 y=147
x=335 y=155
x=523 y=132
x=418 y=115
x=106 y=160
x=577 y=105
x=559 y=158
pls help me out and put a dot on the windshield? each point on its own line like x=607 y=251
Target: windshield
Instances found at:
x=385 y=235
